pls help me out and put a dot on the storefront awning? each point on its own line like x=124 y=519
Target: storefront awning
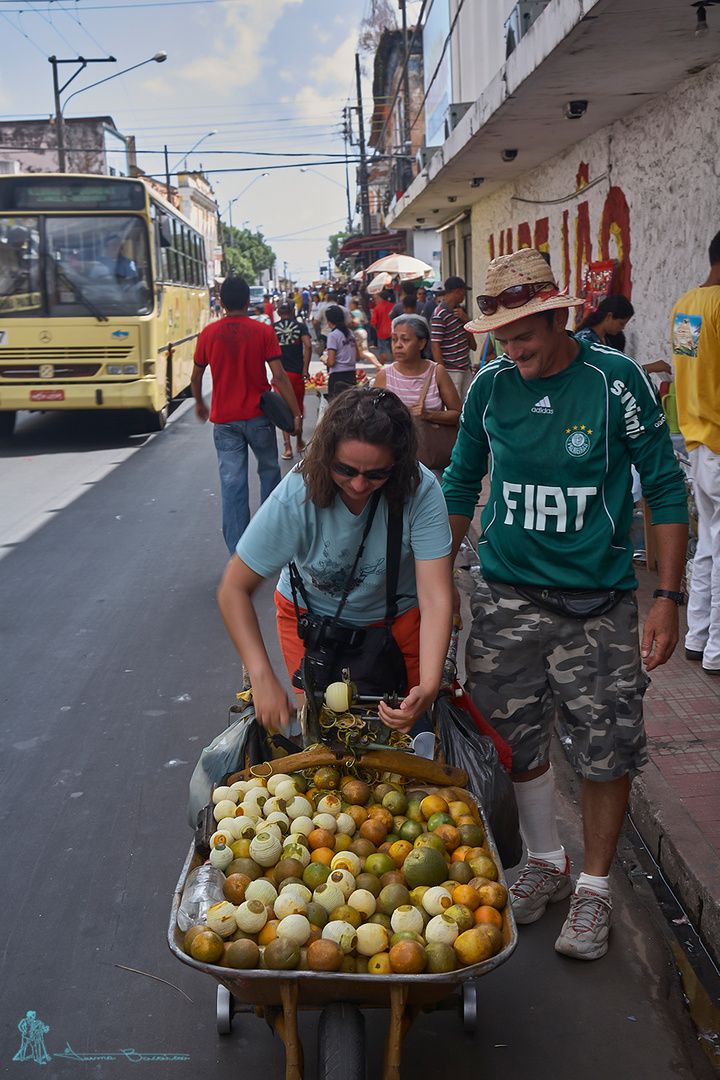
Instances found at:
x=382 y=242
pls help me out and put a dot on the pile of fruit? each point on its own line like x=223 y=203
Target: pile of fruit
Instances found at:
x=314 y=381
x=332 y=873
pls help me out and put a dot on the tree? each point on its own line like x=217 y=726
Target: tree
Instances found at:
x=380 y=17
x=246 y=253
x=336 y=241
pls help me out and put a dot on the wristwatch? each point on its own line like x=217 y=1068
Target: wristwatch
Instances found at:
x=678 y=597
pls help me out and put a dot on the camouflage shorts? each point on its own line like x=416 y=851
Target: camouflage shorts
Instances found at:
x=523 y=663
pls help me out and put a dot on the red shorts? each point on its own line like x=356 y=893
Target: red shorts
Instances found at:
x=298 y=384
x=405 y=630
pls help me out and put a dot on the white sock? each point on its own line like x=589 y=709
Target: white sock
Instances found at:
x=557 y=858
x=538 y=822
x=600 y=885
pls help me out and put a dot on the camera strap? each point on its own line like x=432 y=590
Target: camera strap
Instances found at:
x=394 y=543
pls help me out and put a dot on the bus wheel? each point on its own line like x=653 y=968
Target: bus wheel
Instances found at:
x=156 y=421
x=7 y=424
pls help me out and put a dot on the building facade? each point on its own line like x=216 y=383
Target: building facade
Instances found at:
x=93 y=145
x=593 y=140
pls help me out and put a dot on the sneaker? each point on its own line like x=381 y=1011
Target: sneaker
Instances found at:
x=539 y=884
x=586 y=930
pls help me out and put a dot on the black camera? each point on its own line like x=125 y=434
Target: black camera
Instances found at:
x=323 y=638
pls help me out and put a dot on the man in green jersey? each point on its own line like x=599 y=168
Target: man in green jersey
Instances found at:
x=559 y=422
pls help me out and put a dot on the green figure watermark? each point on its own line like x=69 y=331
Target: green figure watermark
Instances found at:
x=32 y=1047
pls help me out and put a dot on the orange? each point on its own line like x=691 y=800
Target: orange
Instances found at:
x=449 y=835
x=408 y=958
x=323 y=855
x=379 y=964
x=465 y=894
x=399 y=851
x=433 y=804
x=268 y=932
x=459 y=853
x=358 y=814
x=374 y=830
x=324 y=955
x=384 y=814
x=487 y=914
x=492 y=893
x=473 y=947
x=321 y=838
x=207 y=947
x=342 y=841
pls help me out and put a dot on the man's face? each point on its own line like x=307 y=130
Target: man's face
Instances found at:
x=536 y=349
x=421 y=295
x=454 y=297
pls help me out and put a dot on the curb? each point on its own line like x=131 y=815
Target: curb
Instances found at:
x=688 y=863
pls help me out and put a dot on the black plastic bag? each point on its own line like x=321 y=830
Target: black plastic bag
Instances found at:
x=464 y=747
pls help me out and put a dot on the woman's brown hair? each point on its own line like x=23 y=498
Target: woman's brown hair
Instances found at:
x=377 y=417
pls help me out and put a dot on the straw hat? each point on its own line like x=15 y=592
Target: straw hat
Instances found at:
x=524 y=266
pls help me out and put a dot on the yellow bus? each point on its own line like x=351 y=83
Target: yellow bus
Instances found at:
x=103 y=292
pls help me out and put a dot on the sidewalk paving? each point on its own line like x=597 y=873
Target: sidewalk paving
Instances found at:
x=675 y=800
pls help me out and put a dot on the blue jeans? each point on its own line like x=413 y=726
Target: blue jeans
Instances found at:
x=231 y=442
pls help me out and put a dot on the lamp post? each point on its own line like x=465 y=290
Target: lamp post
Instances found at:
x=345 y=187
x=183 y=159
x=158 y=58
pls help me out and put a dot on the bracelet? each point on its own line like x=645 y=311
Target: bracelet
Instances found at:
x=677 y=597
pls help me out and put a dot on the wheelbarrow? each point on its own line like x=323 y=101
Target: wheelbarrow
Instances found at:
x=277 y=996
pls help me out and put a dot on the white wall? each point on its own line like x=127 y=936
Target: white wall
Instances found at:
x=665 y=157
x=477 y=45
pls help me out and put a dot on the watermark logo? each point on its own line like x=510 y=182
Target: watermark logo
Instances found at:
x=32 y=1047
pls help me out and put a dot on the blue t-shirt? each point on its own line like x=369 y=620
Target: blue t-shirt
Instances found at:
x=324 y=544
x=345 y=350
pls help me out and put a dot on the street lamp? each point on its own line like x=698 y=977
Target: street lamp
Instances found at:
x=183 y=159
x=158 y=58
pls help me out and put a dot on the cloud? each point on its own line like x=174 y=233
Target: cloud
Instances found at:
x=331 y=77
x=237 y=57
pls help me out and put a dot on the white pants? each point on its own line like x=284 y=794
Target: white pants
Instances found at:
x=462 y=380
x=703 y=611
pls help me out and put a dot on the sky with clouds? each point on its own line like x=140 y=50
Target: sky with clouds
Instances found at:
x=270 y=77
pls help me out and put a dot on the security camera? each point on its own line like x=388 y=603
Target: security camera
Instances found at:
x=420 y=220
x=508 y=155
x=452 y=198
x=575 y=109
x=477 y=181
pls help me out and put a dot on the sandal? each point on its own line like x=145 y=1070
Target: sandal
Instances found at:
x=287 y=455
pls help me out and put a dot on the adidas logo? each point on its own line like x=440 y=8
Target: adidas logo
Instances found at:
x=542 y=406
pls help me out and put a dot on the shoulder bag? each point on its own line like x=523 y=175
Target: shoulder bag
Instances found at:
x=436 y=440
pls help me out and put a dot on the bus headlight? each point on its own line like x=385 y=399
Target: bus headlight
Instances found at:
x=130 y=369
x=114 y=369
x=149 y=367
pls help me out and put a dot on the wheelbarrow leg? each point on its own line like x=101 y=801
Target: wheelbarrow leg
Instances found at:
x=287 y=1028
x=401 y=1020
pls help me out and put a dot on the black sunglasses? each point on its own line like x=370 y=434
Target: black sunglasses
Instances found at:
x=515 y=296
x=371 y=474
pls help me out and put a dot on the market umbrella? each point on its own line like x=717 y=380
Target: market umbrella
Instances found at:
x=382 y=281
x=401 y=264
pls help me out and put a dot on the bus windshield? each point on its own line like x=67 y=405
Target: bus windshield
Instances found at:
x=74 y=265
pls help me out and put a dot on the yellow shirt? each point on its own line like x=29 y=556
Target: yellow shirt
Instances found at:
x=696 y=357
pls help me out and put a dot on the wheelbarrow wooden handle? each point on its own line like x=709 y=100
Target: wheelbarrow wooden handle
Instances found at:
x=394 y=761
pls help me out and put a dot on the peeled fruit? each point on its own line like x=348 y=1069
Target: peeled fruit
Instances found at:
x=363 y=901
x=407 y=917
x=344 y=933
x=262 y=890
x=442 y=928
x=436 y=900
x=347 y=860
x=325 y=955
x=407 y=958
x=289 y=903
x=330 y=804
x=329 y=896
x=338 y=697
x=372 y=938
x=472 y=947
x=224 y=793
x=294 y=927
x=242 y=954
x=224 y=808
x=282 y=954
x=207 y=947
x=221 y=918
x=251 y=916
x=344 y=880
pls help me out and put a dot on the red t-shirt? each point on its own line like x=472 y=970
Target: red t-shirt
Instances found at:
x=381 y=319
x=237 y=349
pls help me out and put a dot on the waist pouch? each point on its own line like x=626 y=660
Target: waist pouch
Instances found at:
x=572 y=603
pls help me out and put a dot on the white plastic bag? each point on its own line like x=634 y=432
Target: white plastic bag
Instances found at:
x=225 y=754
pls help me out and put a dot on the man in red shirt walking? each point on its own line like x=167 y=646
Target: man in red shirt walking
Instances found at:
x=237 y=348
x=380 y=319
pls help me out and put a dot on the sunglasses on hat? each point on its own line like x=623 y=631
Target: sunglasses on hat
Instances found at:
x=516 y=296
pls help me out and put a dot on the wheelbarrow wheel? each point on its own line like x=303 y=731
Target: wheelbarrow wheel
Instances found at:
x=469 y=1006
x=224 y=1010
x=341 y=1043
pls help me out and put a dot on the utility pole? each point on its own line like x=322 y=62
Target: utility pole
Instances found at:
x=347 y=136
x=57 y=90
x=167 y=175
x=406 y=85
x=364 y=199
